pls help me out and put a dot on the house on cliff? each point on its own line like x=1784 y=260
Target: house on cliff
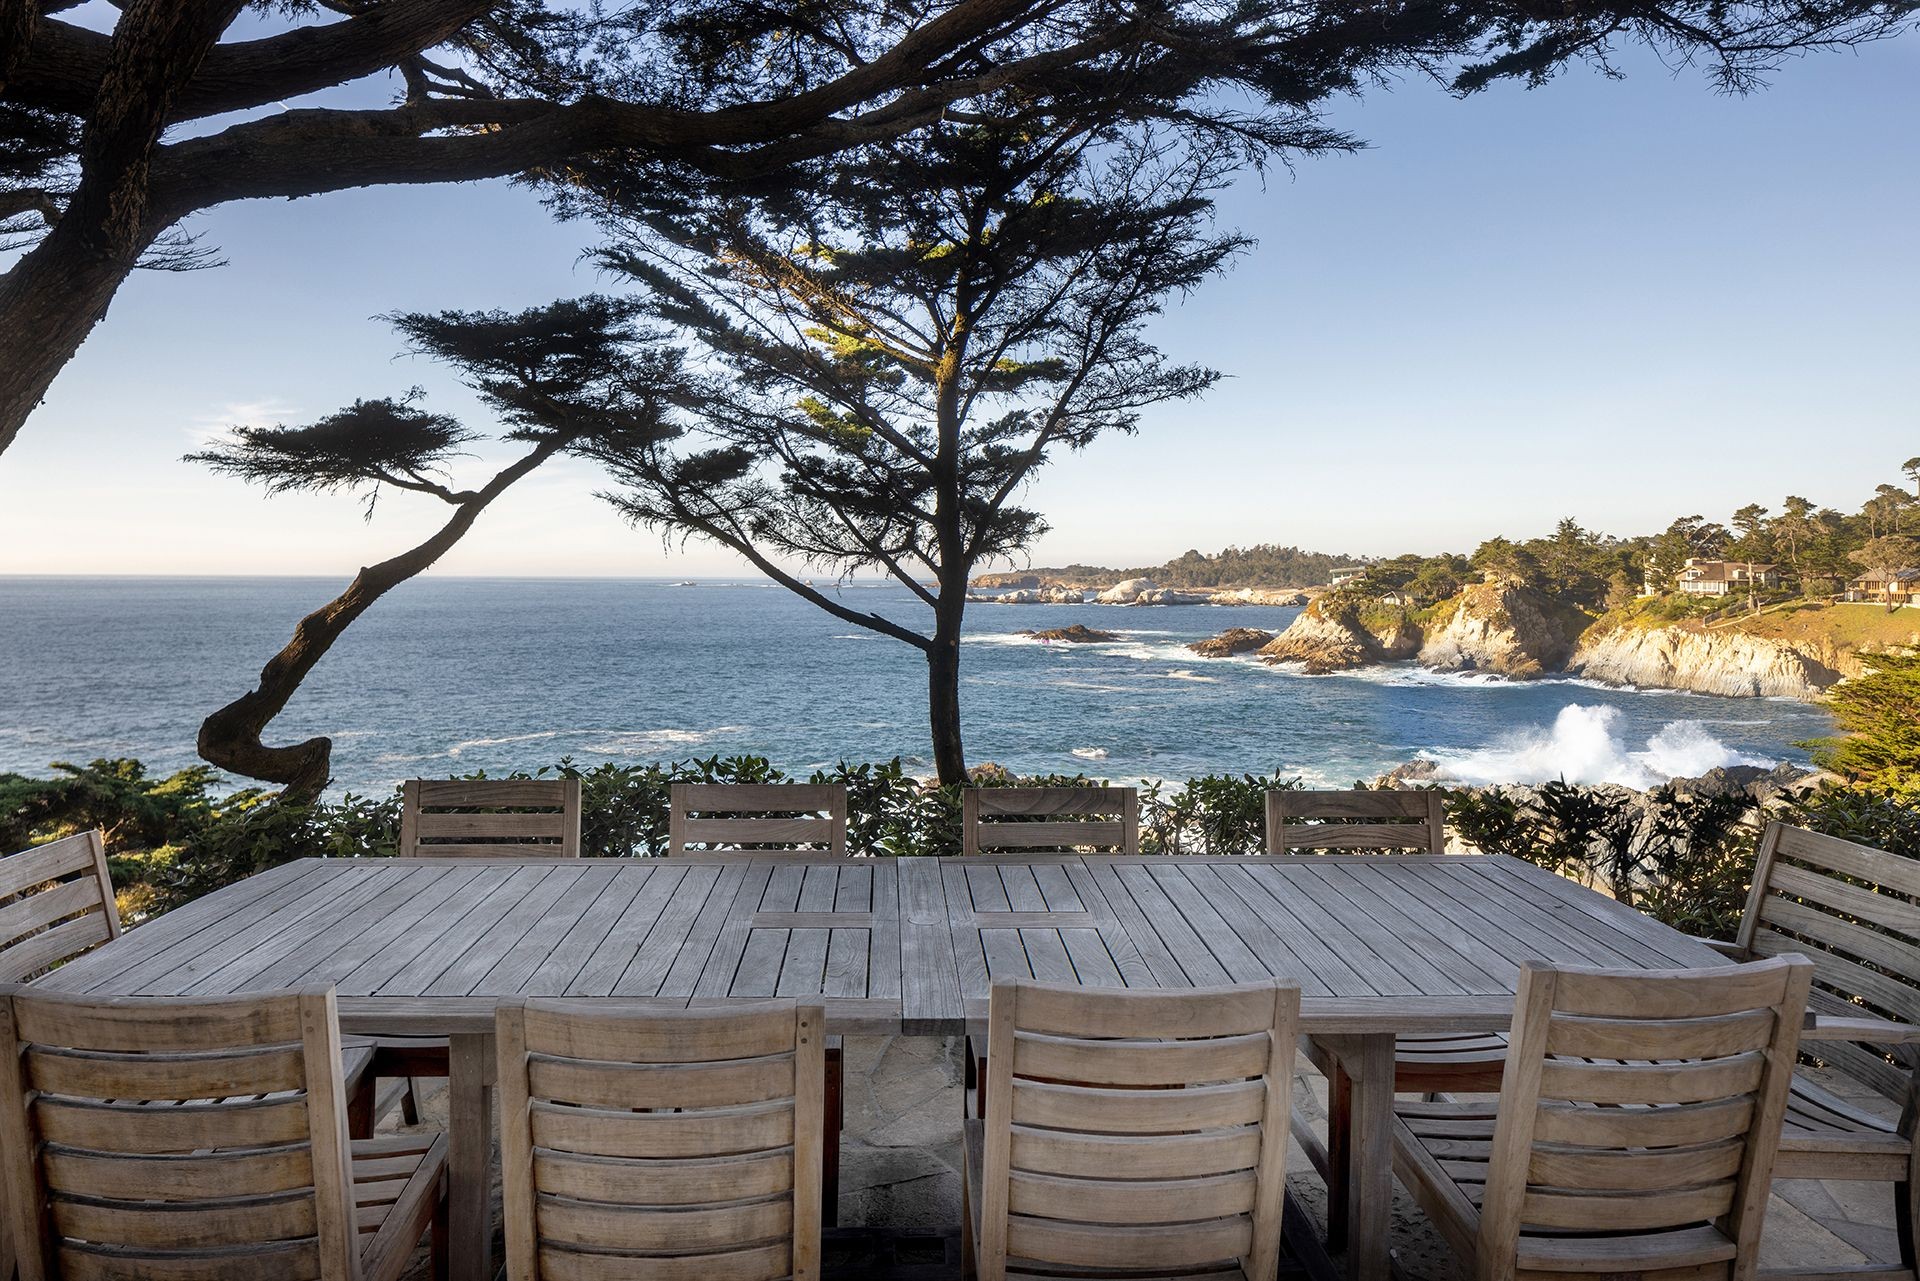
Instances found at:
x=1902 y=587
x=1700 y=577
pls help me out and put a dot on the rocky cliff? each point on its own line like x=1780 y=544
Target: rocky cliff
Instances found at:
x=1500 y=627
x=1710 y=662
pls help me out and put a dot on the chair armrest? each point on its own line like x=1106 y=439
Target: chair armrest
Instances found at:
x=1722 y=946
x=1828 y=1027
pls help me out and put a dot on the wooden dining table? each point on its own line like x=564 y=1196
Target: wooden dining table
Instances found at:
x=1380 y=945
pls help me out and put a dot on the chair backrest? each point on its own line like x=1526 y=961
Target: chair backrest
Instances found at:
x=1377 y=819
x=1854 y=911
x=1049 y=820
x=1638 y=1119
x=56 y=901
x=766 y=818
x=127 y=1152
x=676 y=1144
x=1136 y=1129
x=490 y=818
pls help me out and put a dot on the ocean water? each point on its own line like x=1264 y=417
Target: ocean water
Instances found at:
x=451 y=675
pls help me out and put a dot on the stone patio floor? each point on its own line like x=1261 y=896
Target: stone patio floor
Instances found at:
x=900 y=1172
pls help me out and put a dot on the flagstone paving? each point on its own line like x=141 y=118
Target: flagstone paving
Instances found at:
x=900 y=1181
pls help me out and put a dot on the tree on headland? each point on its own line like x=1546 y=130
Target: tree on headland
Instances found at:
x=109 y=139
x=1911 y=470
x=1878 y=715
x=1753 y=545
x=1886 y=556
x=568 y=378
x=894 y=356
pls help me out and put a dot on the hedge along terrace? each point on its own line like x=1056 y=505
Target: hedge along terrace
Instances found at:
x=1681 y=857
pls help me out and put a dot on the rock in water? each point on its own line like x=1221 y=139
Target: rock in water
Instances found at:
x=1125 y=592
x=1331 y=638
x=1078 y=634
x=1235 y=640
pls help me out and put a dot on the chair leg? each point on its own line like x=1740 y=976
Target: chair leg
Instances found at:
x=360 y=1116
x=969 y=1267
x=437 y=1239
x=1339 y=1153
x=1904 y=1208
x=836 y=1118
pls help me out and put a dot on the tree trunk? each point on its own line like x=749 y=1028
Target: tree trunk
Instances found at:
x=230 y=738
x=943 y=690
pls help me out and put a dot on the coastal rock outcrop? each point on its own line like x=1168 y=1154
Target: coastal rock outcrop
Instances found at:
x=1256 y=596
x=1334 y=639
x=1706 y=662
x=1502 y=627
x=1078 y=634
x=1143 y=591
x=1051 y=594
x=1006 y=582
x=1235 y=640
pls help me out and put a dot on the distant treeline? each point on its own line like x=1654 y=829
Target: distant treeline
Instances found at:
x=1262 y=565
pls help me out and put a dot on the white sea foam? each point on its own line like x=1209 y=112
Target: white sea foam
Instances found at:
x=1583 y=745
x=1091 y=753
x=464 y=744
x=1186 y=674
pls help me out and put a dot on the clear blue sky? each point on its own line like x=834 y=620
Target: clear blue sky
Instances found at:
x=1617 y=300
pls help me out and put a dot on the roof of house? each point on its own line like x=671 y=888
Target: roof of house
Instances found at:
x=1713 y=571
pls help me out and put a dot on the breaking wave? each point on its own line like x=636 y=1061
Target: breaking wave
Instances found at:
x=1584 y=745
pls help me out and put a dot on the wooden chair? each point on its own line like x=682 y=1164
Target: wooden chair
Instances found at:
x=490 y=818
x=57 y=903
x=801 y=819
x=1131 y=1133
x=199 y=1138
x=1854 y=912
x=1049 y=820
x=1635 y=1130
x=1388 y=821
x=473 y=818
x=679 y=1146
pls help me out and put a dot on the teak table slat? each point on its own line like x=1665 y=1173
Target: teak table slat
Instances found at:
x=1380 y=946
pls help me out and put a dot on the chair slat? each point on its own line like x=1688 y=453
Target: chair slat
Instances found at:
x=603 y=1226
x=599 y=1084
x=49 y=948
x=1712 y=1037
x=519 y=793
x=578 y=1031
x=754 y=1263
x=1651 y=1170
x=1695 y=1082
x=685 y=1182
x=1144 y=1062
x=1160 y=1245
x=500 y=826
x=187 y=1226
x=605 y=1132
x=284 y=1261
x=1073 y=1107
x=1131 y=1200
x=762 y=831
x=131 y=1127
